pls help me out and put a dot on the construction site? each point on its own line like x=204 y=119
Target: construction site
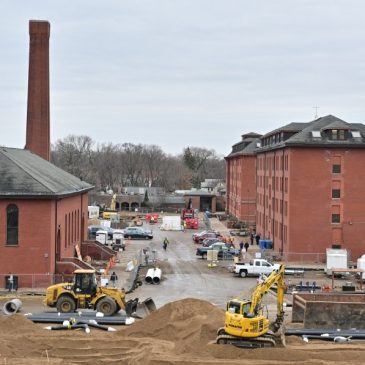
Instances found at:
x=320 y=321
x=127 y=287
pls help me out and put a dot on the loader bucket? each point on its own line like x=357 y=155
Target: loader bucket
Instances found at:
x=140 y=309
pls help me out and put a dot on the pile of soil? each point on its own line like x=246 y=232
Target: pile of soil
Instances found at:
x=180 y=332
x=190 y=323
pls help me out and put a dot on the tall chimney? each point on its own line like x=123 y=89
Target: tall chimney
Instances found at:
x=38 y=116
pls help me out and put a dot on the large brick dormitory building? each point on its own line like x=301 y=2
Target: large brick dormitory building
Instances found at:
x=305 y=183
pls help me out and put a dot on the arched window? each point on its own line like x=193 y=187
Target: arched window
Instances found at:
x=12 y=224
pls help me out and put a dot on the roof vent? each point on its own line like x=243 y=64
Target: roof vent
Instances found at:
x=316 y=134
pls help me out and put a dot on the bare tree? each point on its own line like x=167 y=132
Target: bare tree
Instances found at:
x=111 y=166
x=195 y=158
x=106 y=164
x=74 y=154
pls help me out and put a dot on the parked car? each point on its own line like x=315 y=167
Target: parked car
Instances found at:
x=199 y=237
x=239 y=232
x=138 y=233
x=93 y=229
x=224 y=250
x=209 y=241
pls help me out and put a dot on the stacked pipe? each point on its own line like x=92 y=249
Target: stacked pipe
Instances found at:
x=153 y=276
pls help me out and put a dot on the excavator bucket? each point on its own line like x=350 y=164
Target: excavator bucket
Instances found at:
x=140 y=309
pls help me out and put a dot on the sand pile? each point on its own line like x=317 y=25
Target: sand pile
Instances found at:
x=17 y=324
x=190 y=323
x=179 y=333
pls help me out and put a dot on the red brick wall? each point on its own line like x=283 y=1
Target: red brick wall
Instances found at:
x=295 y=203
x=36 y=233
x=35 y=253
x=70 y=213
x=241 y=188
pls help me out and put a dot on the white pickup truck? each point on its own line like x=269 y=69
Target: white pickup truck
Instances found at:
x=256 y=267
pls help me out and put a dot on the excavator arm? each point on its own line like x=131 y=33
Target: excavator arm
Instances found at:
x=113 y=202
x=276 y=277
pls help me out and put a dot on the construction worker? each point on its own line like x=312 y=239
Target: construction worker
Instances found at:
x=165 y=243
x=113 y=278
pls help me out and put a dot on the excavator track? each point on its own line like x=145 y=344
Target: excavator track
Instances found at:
x=251 y=343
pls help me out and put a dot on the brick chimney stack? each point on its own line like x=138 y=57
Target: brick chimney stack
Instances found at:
x=38 y=116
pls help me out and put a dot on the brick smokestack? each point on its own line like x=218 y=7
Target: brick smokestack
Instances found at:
x=38 y=116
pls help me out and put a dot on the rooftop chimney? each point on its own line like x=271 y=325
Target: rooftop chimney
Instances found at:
x=38 y=117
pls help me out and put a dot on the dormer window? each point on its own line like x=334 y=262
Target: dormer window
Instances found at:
x=356 y=134
x=337 y=134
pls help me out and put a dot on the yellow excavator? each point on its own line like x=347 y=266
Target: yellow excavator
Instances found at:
x=245 y=325
x=112 y=210
x=84 y=293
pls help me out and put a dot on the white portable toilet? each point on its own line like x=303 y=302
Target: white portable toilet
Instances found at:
x=361 y=265
x=102 y=236
x=337 y=258
x=118 y=234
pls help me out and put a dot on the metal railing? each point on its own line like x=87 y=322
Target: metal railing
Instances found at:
x=24 y=282
x=301 y=257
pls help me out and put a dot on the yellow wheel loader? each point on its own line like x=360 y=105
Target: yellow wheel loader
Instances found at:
x=245 y=325
x=84 y=293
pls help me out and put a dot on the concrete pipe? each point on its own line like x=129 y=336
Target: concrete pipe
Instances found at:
x=12 y=306
x=157 y=276
x=149 y=276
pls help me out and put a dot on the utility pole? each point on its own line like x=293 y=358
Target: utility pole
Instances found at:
x=316 y=115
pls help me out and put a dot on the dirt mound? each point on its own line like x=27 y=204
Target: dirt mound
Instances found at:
x=190 y=323
x=17 y=323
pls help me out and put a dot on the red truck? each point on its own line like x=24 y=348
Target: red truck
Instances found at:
x=152 y=218
x=188 y=218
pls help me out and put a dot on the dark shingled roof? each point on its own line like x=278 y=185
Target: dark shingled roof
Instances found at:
x=326 y=123
x=24 y=174
x=246 y=146
x=291 y=127
x=304 y=137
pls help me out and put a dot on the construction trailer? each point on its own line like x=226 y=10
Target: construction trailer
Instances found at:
x=336 y=258
x=171 y=223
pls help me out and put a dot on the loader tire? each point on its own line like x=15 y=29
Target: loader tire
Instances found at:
x=66 y=304
x=107 y=305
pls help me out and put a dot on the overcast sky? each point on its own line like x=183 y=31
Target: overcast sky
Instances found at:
x=185 y=73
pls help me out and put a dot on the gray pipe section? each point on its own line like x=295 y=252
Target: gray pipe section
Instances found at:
x=149 y=276
x=157 y=276
x=12 y=306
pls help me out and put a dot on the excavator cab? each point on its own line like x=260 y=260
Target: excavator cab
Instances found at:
x=239 y=307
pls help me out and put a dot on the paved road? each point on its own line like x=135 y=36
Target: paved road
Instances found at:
x=184 y=275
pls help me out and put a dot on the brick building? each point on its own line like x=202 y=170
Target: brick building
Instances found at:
x=241 y=179
x=310 y=187
x=43 y=217
x=43 y=209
